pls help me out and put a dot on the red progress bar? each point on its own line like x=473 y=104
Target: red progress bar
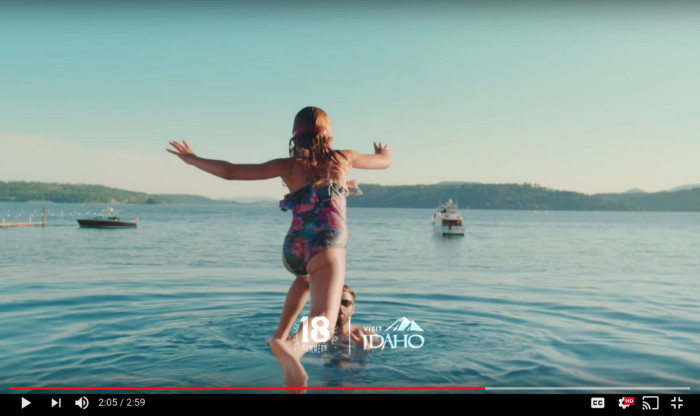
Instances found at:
x=247 y=388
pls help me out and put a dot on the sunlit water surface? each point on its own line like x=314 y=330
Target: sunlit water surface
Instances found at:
x=524 y=299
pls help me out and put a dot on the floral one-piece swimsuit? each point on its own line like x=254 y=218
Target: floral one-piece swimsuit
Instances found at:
x=319 y=221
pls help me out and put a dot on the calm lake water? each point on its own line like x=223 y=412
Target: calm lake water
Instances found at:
x=524 y=299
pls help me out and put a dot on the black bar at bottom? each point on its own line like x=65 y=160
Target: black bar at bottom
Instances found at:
x=48 y=403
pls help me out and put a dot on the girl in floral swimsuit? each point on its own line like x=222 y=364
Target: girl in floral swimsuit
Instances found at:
x=319 y=221
x=314 y=248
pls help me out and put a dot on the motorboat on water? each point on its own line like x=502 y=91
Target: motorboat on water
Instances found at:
x=107 y=218
x=447 y=220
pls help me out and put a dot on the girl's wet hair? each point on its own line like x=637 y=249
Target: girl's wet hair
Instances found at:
x=314 y=147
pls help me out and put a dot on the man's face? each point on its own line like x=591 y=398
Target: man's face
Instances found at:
x=347 y=307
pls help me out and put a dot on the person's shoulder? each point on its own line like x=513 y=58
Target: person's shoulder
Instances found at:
x=348 y=156
x=347 y=153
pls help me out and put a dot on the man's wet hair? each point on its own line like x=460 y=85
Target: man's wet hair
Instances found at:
x=346 y=288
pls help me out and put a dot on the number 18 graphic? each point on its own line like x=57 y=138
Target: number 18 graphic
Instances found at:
x=317 y=329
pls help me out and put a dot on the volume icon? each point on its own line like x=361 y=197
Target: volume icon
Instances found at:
x=82 y=402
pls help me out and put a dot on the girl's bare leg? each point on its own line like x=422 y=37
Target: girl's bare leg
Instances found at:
x=296 y=299
x=327 y=276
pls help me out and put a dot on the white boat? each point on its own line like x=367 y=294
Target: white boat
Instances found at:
x=447 y=219
x=106 y=219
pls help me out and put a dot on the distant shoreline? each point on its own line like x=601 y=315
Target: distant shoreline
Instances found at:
x=509 y=197
x=368 y=207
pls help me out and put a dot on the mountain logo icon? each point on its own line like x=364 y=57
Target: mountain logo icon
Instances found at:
x=404 y=324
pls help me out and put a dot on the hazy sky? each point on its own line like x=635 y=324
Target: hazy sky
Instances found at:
x=586 y=98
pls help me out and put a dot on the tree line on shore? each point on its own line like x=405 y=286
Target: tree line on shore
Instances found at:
x=467 y=195
x=521 y=197
x=55 y=192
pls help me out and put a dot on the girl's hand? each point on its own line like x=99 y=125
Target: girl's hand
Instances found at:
x=379 y=150
x=183 y=152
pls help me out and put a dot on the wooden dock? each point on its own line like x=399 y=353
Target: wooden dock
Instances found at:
x=25 y=224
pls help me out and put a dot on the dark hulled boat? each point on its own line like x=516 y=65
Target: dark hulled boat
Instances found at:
x=106 y=219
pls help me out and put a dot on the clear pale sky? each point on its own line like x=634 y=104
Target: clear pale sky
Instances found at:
x=589 y=98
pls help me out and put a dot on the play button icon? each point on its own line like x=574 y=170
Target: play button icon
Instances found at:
x=25 y=402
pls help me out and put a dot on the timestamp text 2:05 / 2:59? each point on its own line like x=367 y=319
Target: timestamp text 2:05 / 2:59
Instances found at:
x=122 y=402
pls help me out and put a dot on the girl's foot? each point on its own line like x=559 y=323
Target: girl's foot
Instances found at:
x=292 y=370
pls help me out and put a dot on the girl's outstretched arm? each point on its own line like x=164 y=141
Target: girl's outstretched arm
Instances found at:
x=229 y=171
x=381 y=159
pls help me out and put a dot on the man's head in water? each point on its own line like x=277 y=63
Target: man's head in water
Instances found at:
x=347 y=306
x=343 y=328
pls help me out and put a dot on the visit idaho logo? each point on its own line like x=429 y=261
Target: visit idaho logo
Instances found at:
x=392 y=337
